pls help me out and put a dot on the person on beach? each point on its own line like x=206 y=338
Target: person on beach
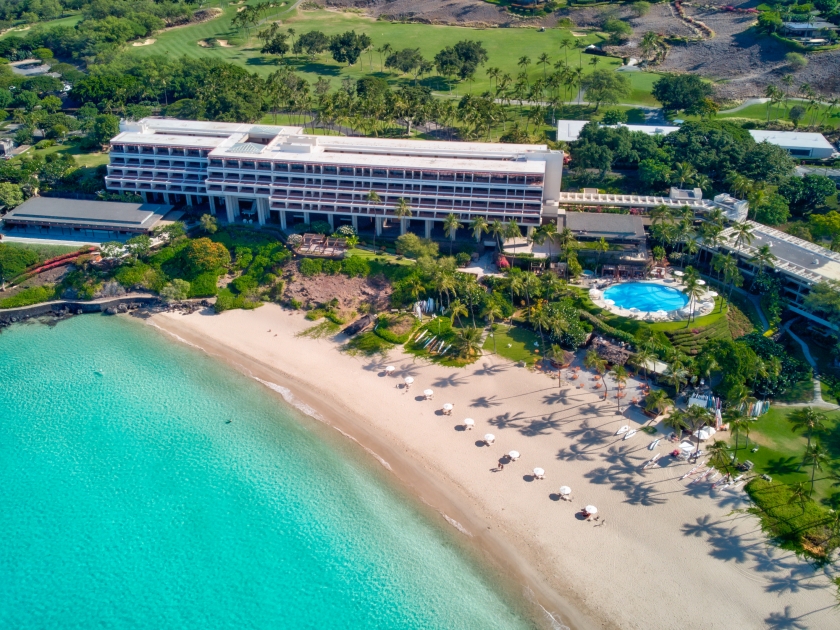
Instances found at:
x=501 y=464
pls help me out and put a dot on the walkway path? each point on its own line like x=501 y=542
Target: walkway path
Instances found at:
x=817 y=401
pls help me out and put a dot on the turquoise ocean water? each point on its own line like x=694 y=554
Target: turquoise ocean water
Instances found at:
x=127 y=501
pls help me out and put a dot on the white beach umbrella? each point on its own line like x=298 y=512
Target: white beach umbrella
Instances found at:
x=679 y=274
x=428 y=393
x=409 y=380
x=701 y=282
x=514 y=455
x=705 y=433
x=591 y=509
x=448 y=407
x=489 y=438
x=713 y=294
x=565 y=491
x=469 y=423
x=539 y=473
x=390 y=369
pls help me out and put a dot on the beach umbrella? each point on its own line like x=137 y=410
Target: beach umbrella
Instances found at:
x=701 y=282
x=705 y=433
x=609 y=302
x=713 y=294
x=469 y=423
x=390 y=370
x=514 y=455
x=409 y=380
x=565 y=491
x=448 y=407
x=539 y=473
x=590 y=509
x=489 y=439
x=679 y=274
x=428 y=393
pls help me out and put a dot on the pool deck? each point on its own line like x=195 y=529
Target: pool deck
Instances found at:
x=704 y=306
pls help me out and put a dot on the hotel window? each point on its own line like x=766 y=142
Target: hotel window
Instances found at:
x=147 y=162
x=264 y=166
x=481 y=178
x=430 y=175
x=364 y=172
x=346 y=183
x=263 y=191
x=499 y=192
x=249 y=165
x=346 y=170
x=296 y=168
x=396 y=174
x=519 y=180
x=380 y=172
x=498 y=179
x=463 y=177
x=281 y=166
x=429 y=188
x=193 y=153
x=147 y=150
x=231 y=164
x=446 y=189
x=281 y=180
x=533 y=180
x=330 y=182
x=116 y=148
x=330 y=170
x=479 y=191
x=298 y=180
x=217 y=163
x=131 y=149
x=194 y=165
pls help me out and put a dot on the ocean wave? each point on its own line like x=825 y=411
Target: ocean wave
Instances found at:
x=179 y=338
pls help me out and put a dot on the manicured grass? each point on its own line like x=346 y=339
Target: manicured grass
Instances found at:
x=83 y=158
x=779 y=112
x=504 y=47
x=367 y=344
x=386 y=258
x=70 y=20
x=44 y=251
x=521 y=342
x=781 y=450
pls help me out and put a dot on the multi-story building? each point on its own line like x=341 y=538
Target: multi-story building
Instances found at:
x=271 y=174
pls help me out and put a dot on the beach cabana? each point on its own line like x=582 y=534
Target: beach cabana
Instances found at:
x=612 y=353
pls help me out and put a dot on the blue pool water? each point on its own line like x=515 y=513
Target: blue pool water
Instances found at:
x=646 y=296
x=129 y=502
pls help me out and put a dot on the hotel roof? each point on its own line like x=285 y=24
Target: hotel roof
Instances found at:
x=99 y=215
x=796 y=139
x=796 y=256
x=607 y=225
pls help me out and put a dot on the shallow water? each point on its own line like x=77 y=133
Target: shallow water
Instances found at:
x=144 y=485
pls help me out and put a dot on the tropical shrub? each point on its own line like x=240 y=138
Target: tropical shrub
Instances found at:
x=27 y=297
x=355 y=267
x=311 y=267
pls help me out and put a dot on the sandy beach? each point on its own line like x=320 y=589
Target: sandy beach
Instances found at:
x=665 y=552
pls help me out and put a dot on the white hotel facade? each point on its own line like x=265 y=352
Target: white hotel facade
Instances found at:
x=272 y=174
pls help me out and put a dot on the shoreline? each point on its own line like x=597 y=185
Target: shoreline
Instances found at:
x=426 y=488
x=660 y=539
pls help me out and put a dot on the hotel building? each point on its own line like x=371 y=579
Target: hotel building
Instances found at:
x=279 y=175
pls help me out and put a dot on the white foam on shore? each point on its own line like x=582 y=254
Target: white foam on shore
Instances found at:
x=181 y=339
x=290 y=398
x=456 y=525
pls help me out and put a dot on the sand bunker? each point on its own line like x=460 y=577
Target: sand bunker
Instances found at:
x=148 y=42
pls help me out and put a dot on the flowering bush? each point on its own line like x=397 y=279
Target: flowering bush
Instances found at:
x=295 y=240
x=346 y=230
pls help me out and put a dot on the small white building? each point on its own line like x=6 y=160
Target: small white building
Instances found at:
x=801 y=145
x=813 y=146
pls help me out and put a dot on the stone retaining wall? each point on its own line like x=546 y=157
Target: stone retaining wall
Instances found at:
x=75 y=307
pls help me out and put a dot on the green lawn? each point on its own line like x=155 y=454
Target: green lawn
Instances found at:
x=70 y=20
x=521 y=342
x=504 y=46
x=778 y=112
x=388 y=258
x=780 y=450
x=82 y=158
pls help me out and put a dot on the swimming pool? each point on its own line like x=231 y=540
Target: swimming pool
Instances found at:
x=646 y=296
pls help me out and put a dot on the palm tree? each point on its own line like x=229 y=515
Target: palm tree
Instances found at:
x=456 y=309
x=742 y=235
x=542 y=318
x=512 y=231
x=544 y=59
x=676 y=374
x=735 y=417
x=497 y=229
x=566 y=240
x=719 y=456
x=798 y=494
x=524 y=62
x=731 y=275
x=684 y=172
x=549 y=231
x=658 y=402
x=517 y=286
x=595 y=362
x=697 y=417
x=676 y=422
x=469 y=342
x=762 y=258
x=694 y=291
x=809 y=420
x=450 y=228
x=816 y=456
x=660 y=214
x=492 y=312
x=619 y=373
x=403 y=213
x=601 y=247
x=374 y=200
x=479 y=226
x=644 y=356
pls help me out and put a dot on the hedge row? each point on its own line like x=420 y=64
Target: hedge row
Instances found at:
x=605 y=328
